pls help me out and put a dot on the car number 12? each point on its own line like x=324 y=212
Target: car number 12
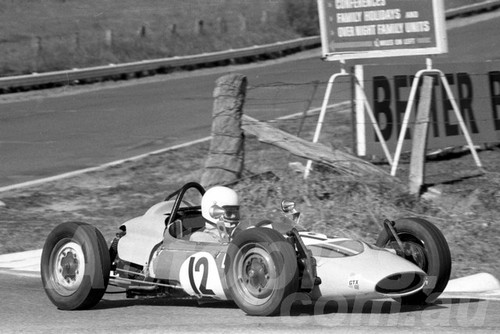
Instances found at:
x=199 y=276
x=203 y=263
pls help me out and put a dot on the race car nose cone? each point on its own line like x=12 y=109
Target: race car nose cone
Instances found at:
x=371 y=273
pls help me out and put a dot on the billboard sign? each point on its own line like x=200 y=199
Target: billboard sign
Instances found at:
x=475 y=87
x=356 y=29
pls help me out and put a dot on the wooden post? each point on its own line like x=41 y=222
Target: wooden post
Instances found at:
x=225 y=161
x=199 y=27
x=243 y=22
x=108 y=38
x=143 y=31
x=221 y=25
x=36 y=43
x=419 y=142
x=343 y=162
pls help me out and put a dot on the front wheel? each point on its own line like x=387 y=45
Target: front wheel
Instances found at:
x=426 y=247
x=261 y=270
x=75 y=266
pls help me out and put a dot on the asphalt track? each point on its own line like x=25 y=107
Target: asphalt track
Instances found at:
x=47 y=135
x=26 y=309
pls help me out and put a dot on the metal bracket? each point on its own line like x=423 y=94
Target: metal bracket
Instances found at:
x=389 y=228
x=307 y=263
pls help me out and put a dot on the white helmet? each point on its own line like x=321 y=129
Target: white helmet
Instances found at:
x=223 y=197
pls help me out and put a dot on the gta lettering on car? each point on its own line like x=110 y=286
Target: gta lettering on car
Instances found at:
x=199 y=276
x=354 y=284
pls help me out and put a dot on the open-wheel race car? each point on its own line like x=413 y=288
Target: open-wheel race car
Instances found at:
x=258 y=266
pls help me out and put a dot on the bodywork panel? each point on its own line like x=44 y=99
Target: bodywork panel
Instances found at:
x=350 y=268
x=143 y=234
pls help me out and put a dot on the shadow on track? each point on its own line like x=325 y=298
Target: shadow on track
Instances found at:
x=118 y=302
x=295 y=309
x=361 y=306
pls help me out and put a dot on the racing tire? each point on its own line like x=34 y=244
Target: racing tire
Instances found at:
x=261 y=271
x=433 y=255
x=75 y=266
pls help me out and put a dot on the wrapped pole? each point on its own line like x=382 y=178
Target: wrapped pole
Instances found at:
x=226 y=156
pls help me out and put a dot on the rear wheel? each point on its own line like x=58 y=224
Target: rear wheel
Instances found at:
x=75 y=266
x=426 y=247
x=261 y=271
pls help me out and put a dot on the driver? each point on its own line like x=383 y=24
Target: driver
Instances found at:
x=224 y=198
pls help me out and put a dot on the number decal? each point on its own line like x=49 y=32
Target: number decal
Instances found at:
x=202 y=262
x=199 y=275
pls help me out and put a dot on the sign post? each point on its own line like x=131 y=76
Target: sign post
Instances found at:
x=324 y=106
x=409 y=107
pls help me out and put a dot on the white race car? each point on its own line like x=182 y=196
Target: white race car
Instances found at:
x=258 y=266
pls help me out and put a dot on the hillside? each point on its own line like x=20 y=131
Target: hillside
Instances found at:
x=41 y=36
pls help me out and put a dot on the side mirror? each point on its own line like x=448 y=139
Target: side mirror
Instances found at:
x=288 y=207
x=216 y=212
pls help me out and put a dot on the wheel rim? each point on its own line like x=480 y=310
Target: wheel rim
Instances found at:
x=414 y=250
x=418 y=254
x=255 y=274
x=67 y=263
